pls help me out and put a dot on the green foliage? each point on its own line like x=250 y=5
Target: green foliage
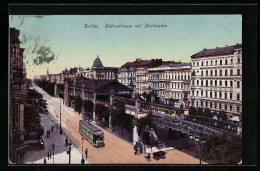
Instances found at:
x=199 y=112
x=145 y=121
x=222 y=115
x=207 y=113
x=46 y=86
x=88 y=105
x=102 y=112
x=78 y=103
x=221 y=149
x=192 y=111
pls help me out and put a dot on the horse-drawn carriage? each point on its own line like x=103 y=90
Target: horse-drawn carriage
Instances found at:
x=158 y=155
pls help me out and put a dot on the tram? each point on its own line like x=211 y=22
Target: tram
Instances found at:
x=161 y=108
x=92 y=133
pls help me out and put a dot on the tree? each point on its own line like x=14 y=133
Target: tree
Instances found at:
x=222 y=115
x=88 y=106
x=78 y=103
x=217 y=149
x=199 y=112
x=102 y=112
x=192 y=111
x=144 y=121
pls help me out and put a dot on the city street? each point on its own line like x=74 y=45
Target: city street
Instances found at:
x=116 y=150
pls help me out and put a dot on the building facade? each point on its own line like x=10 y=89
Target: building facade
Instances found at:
x=17 y=99
x=99 y=72
x=216 y=80
x=171 y=83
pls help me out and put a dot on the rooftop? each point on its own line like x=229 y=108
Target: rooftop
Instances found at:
x=216 y=51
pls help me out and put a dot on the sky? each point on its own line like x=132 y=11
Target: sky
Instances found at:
x=61 y=41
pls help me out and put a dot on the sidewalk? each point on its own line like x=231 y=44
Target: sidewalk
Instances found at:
x=60 y=152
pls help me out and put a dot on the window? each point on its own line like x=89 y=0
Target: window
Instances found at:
x=231 y=96
x=201 y=93
x=211 y=63
x=207 y=63
x=206 y=72
x=238 y=71
x=238 y=109
x=215 y=94
x=216 y=73
x=197 y=103
x=193 y=63
x=210 y=94
x=215 y=105
x=238 y=60
x=215 y=83
x=225 y=107
x=211 y=73
x=219 y=106
x=225 y=72
x=193 y=82
x=197 y=82
x=206 y=82
x=201 y=73
x=226 y=83
x=238 y=96
x=231 y=61
x=216 y=62
x=197 y=63
x=231 y=83
x=230 y=108
x=202 y=63
x=220 y=83
x=231 y=72
x=238 y=51
x=220 y=62
x=220 y=95
x=225 y=95
x=220 y=72
x=192 y=93
x=226 y=62
x=206 y=103
x=238 y=84
x=201 y=82
x=197 y=93
x=206 y=93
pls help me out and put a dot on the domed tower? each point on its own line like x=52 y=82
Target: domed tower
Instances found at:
x=97 y=68
x=97 y=63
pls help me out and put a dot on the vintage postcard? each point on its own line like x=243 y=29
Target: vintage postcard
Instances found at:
x=125 y=89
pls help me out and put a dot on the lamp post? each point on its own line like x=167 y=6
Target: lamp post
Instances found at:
x=53 y=147
x=69 y=150
x=60 y=118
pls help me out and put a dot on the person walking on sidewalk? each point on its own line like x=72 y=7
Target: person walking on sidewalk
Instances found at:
x=44 y=160
x=86 y=152
x=51 y=128
x=49 y=154
x=66 y=141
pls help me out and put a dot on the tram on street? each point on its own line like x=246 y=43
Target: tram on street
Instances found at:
x=92 y=133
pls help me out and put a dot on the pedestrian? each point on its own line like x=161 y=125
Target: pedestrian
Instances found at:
x=49 y=154
x=149 y=157
x=86 y=152
x=44 y=160
x=135 y=148
x=66 y=141
x=141 y=149
x=47 y=134
x=51 y=128
x=138 y=150
x=82 y=161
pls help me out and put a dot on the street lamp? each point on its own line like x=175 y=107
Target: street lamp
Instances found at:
x=60 y=118
x=53 y=147
x=68 y=152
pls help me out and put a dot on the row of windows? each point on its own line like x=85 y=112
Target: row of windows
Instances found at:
x=175 y=95
x=215 y=94
x=215 y=83
x=173 y=77
x=212 y=105
x=219 y=72
x=216 y=62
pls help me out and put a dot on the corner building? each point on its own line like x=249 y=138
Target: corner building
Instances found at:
x=216 y=80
